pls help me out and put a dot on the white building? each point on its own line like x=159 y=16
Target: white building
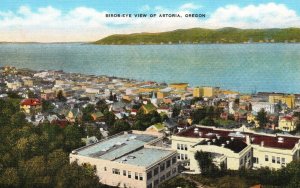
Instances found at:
x=130 y=159
x=268 y=107
x=235 y=149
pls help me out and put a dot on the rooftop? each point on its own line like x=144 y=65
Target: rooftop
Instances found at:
x=145 y=157
x=238 y=139
x=116 y=147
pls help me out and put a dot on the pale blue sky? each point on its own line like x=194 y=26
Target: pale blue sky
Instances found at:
x=84 y=20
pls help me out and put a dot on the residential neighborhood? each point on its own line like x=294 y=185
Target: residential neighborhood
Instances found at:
x=133 y=128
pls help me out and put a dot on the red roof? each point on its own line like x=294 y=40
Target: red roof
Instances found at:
x=287 y=118
x=271 y=141
x=31 y=102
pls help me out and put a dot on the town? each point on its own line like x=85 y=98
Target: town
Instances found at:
x=144 y=133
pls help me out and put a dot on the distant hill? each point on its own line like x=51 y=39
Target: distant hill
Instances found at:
x=200 y=35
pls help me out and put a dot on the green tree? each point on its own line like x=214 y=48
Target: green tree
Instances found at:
x=176 y=111
x=9 y=178
x=205 y=163
x=101 y=105
x=60 y=96
x=262 y=118
x=72 y=138
x=76 y=176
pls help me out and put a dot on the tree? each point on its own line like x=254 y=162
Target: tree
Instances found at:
x=205 y=163
x=9 y=178
x=101 y=105
x=60 y=96
x=262 y=118
x=76 y=176
x=119 y=126
x=198 y=115
x=176 y=111
x=47 y=106
x=72 y=138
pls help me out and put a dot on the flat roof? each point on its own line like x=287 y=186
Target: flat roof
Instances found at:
x=116 y=147
x=145 y=157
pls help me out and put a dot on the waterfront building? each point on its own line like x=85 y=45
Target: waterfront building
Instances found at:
x=131 y=159
x=179 y=86
x=289 y=100
x=197 y=92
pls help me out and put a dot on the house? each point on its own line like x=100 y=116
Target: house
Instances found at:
x=158 y=127
x=287 y=123
x=97 y=116
x=31 y=105
x=74 y=114
x=147 y=108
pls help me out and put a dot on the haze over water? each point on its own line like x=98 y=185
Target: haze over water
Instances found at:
x=241 y=67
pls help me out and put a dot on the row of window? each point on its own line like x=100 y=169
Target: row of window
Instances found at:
x=162 y=178
x=161 y=167
x=129 y=174
x=244 y=159
x=276 y=159
x=182 y=147
x=182 y=156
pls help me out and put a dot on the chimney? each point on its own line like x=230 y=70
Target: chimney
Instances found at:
x=262 y=143
x=280 y=140
x=248 y=140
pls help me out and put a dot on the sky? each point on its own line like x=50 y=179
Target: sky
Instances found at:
x=85 y=20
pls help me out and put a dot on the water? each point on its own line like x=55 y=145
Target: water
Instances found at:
x=241 y=67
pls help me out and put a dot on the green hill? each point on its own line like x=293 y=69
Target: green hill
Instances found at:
x=200 y=35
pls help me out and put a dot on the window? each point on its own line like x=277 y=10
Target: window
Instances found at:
x=162 y=167
x=136 y=176
x=116 y=171
x=155 y=171
x=168 y=163
x=249 y=154
x=181 y=146
x=185 y=156
x=266 y=158
x=273 y=159
x=241 y=162
x=255 y=160
x=182 y=156
x=162 y=178
x=173 y=160
x=149 y=175
x=156 y=182
x=141 y=176
x=185 y=147
x=149 y=185
x=168 y=174
x=278 y=160
x=174 y=171
x=245 y=158
x=129 y=174
x=178 y=146
x=105 y=169
x=124 y=172
x=178 y=156
x=283 y=161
